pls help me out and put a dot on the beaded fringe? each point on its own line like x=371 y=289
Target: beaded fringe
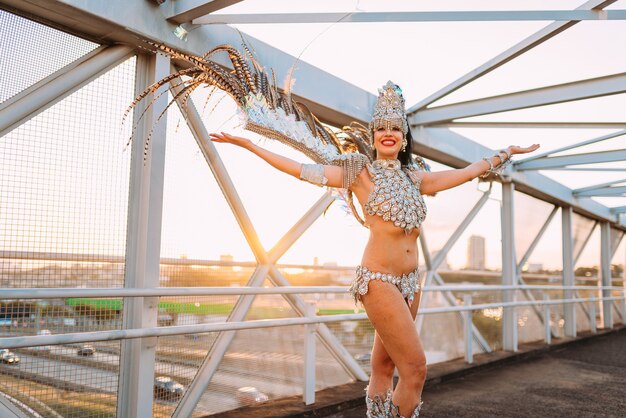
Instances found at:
x=352 y=164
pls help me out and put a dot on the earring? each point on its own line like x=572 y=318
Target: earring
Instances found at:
x=404 y=144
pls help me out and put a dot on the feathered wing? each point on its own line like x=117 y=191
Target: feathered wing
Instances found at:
x=271 y=112
x=264 y=108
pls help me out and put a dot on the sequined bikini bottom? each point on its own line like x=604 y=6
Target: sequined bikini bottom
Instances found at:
x=407 y=283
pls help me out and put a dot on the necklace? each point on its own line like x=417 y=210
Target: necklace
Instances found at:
x=387 y=164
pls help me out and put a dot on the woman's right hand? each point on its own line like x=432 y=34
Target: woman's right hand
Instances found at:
x=230 y=139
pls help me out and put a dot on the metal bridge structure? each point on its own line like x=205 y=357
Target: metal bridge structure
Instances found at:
x=91 y=229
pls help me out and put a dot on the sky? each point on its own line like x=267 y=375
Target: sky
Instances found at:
x=423 y=57
x=197 y=221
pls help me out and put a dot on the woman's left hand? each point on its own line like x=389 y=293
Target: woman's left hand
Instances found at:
x=514 y=149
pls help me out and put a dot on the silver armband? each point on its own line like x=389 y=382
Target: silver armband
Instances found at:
x=313 y=173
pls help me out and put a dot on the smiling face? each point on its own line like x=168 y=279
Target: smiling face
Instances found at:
x=388 y=139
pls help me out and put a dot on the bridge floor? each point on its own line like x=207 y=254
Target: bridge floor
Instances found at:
x=583 y=377
x=582 y=380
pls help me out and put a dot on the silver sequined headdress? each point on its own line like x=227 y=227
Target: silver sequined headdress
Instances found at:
x=389 y=109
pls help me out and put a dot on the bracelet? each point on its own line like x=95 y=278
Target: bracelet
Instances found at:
x=500 y=168
x=489 y=170
x=313 y=173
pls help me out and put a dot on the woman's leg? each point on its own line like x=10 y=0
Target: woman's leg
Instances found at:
x=398 y=338
x=381 y=378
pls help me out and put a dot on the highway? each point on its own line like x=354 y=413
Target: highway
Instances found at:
x=276 y=373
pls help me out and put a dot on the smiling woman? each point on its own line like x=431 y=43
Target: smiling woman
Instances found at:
x=390 y=192
x=364 y=162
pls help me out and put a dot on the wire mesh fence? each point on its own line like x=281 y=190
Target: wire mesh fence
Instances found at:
x=24 y=62
x=64 y=179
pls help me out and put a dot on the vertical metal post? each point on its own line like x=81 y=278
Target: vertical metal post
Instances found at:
x=509 y=265
x=330 y=341
x=308 y=392
x=569 y=309
x=143 y=244
x=592 y=316
x=546 y=320
x=467 y=330
x=605 y=273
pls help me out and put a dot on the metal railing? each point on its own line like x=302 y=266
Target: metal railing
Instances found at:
x=310 y=321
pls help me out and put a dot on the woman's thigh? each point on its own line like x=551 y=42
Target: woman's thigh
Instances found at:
x=394 y=324
x=379 y=354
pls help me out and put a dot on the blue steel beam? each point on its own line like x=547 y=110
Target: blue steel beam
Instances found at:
x=182 y=11
x=572 y=146
x=574 y=159
x=437 y=16
x=535 y=125
x=598 y=169
x=598 y=186
x=456 y=150
x=577 y=90
x=605 y=191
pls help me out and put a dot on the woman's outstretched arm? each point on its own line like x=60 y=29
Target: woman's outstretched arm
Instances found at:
x=441 y=180
x=282 y=163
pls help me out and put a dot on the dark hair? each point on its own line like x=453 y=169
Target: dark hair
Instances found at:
x=405 y=157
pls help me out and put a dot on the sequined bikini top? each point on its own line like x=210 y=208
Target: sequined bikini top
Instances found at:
x=396 y=197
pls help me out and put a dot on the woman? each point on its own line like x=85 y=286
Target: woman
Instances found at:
x=390 y=192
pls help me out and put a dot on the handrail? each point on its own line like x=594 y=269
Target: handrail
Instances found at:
x=54 y=293
x=69 y=338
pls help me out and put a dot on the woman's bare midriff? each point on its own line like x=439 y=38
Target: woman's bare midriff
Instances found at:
x=389 y=249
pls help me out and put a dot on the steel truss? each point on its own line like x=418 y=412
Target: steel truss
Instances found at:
x=103 y=20
x=267 y=266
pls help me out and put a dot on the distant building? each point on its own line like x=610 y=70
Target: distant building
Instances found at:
x=227 y=258
x=476 y=253
x=535 y=267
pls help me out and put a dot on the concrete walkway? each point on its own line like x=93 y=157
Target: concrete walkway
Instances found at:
x=572 y=378
x=587 y=379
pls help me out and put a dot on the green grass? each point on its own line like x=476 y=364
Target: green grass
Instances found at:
x=113 y=304
x=338 y=311
x=167 y=306
x=200 y=308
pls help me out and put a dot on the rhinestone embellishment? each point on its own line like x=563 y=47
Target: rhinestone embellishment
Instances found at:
x=395 y=197
x=407 y=283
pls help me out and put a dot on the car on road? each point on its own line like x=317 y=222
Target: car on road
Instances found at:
x=8 y=357
x=86 y=350
x=250 y=395
x=45 y=348
x=363 y=358
x=167 y=388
